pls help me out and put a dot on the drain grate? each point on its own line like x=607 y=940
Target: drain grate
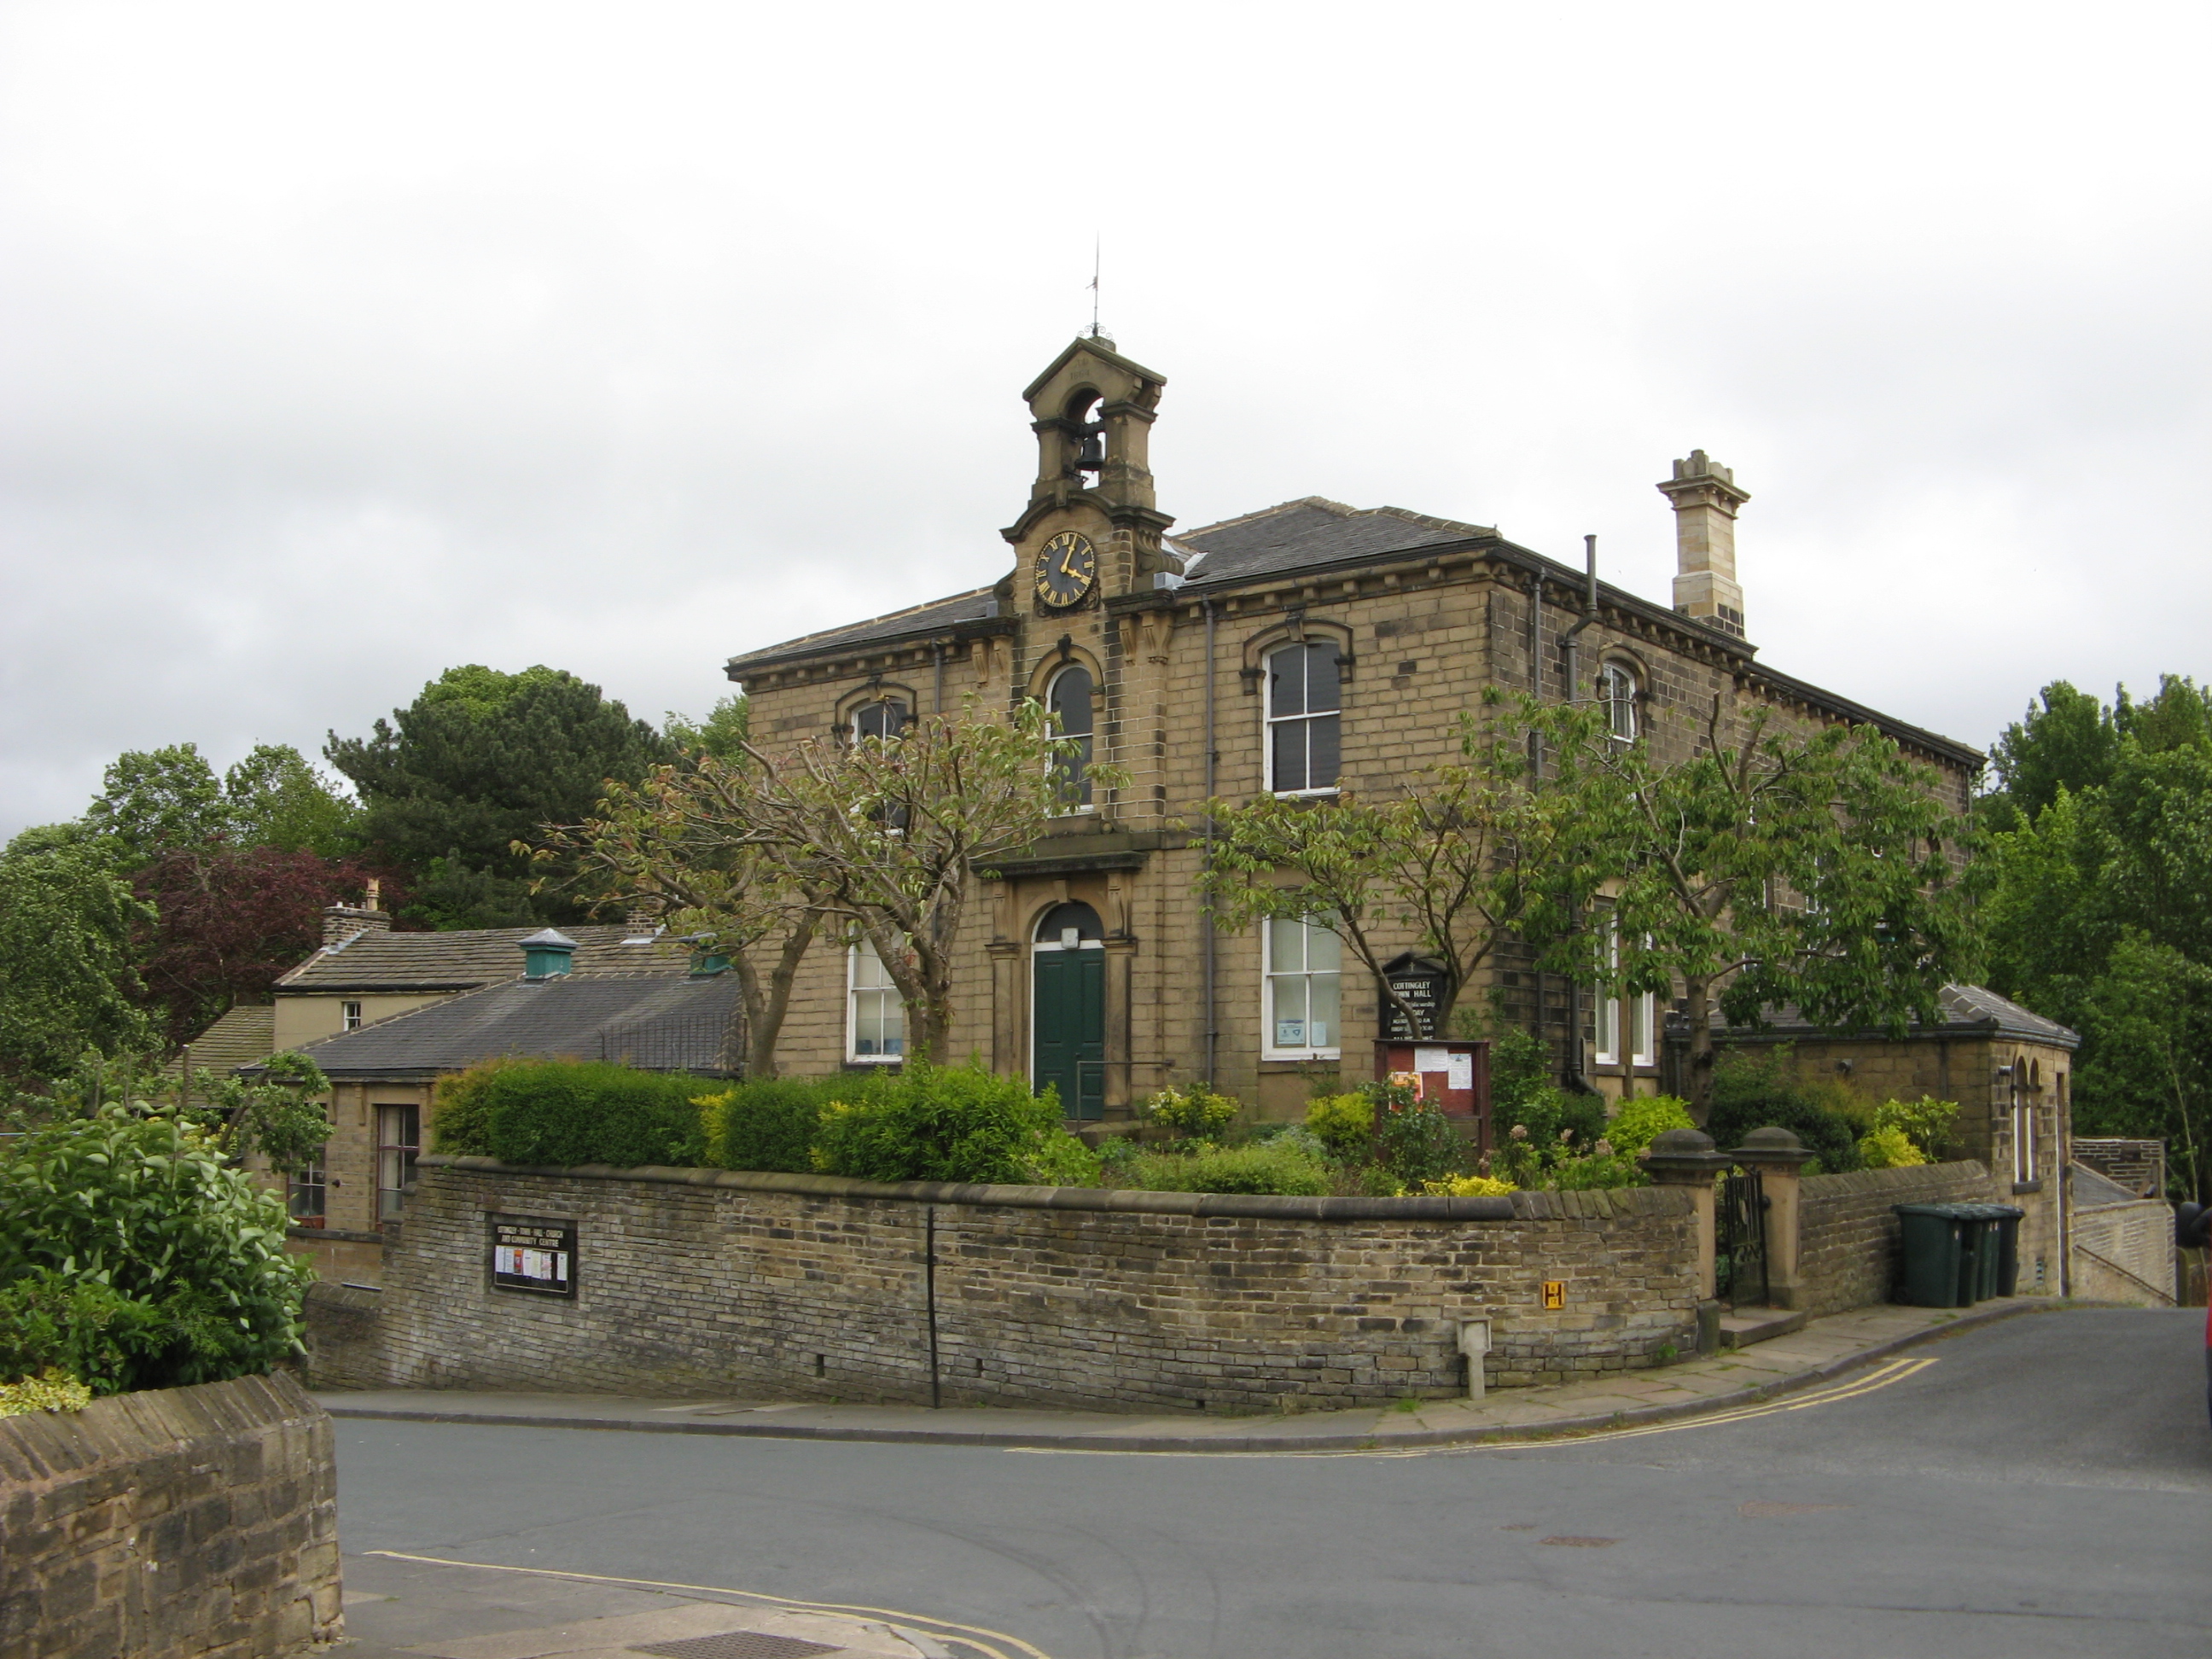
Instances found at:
x=738 y=1644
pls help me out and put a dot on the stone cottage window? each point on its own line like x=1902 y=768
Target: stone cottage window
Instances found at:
x=875 y=1017
x=1304 y=695
x=1630 y=1018
x=1302 y=998
x=1069 y=697
x=1616 y=690
x=399 y=1138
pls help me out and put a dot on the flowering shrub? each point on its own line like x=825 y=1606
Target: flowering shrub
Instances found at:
x=1195 y=1112
x=1418 y=1141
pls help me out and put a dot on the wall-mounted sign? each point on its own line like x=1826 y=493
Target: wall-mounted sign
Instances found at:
x=1555 y=1293
x=1420 y=986
x=533 y=1254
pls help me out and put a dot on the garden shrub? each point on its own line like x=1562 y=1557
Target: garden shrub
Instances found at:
x=1642 y=1120
x=1890 y=1148
x=1470 y=1186
x=939 y=1123
x=1061 y=1160
x=1344 y=1125
x=1417 y=1141
x=1266 y=1166
x=1601 y=1167
x=460 y=1112
x=1197 y=1111
x=1753 y=1091
x=49 y=1391
x=567 y=1112
x=1925 y=1122
x=773 y=1124
x=135 y=1256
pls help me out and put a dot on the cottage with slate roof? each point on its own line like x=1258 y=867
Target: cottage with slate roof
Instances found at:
x=384 y=1014
x=1304 y=648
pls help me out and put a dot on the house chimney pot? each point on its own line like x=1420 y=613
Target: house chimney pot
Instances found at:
x=1705 y=497
x=341 y=921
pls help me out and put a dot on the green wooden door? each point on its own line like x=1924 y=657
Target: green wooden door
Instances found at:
x=1069 y=1043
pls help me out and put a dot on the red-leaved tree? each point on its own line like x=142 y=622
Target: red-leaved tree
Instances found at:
x=231 y=919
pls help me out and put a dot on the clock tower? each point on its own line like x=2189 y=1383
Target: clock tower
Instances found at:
x=1090 y=529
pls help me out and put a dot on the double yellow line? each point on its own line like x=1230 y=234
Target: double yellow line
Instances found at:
x=1880 y=1378
x=973 y=1637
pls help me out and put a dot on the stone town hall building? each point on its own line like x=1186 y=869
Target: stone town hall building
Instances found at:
x=1302 y=649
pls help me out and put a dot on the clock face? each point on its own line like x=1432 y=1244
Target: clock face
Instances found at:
x=1067 y=570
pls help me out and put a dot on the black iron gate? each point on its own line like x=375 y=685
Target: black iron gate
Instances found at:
x=1740 y=1264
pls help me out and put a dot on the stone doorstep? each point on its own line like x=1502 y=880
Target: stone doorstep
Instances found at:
x=1746 y=1326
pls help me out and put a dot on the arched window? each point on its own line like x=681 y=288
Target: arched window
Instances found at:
x=1070 y=926
x=887 y=717
x=1068 y=698
x=1304 y=698
x=1616 y=690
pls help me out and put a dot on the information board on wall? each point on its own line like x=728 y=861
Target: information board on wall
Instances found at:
x=1422 y=991
x=533 y=1254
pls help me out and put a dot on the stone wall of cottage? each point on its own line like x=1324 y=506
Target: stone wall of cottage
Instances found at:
x=1847 y=1251
x=707 y=1282
x=180 y=1523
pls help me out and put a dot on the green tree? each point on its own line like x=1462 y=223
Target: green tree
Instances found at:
x=2099 y=914
x=276 y=797
x=150 y=799
x=2179 y=717
x=67 y=979
x=1770 y=867
x=2069 y=743
x=482 y=761
x=721 y=734
x=1442 y=868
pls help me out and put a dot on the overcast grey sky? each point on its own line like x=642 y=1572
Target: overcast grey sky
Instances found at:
x=344 y=344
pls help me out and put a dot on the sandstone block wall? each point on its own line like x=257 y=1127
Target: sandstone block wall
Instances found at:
x=705 y=1281
x=2125 y=1253
x=1848 y=1237
x=185 y=1523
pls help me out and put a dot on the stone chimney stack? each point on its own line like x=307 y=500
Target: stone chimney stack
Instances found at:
x=341 y=921
x=1705 y=497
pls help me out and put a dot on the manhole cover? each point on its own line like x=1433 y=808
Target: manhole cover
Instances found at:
x=738 y=1644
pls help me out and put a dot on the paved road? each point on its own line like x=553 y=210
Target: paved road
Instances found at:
x=2041 y=1488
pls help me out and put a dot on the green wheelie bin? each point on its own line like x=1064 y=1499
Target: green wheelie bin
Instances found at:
x=1941 y=1265
x=2002 y=1278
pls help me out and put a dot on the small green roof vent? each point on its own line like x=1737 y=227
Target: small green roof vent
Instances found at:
x=547 y=955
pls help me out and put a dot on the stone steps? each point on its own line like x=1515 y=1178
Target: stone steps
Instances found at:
x=1742 y=1327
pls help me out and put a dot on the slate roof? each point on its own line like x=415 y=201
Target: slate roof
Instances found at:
x=1974 y=1009
x=1313 y=530
x=977 y=605
x=481 y=955
x=240 y=1037
x=663 y=1024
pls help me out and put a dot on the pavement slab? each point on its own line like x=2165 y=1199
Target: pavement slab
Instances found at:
x=1825 y=1349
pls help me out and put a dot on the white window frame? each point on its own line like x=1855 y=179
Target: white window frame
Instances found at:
x=1083 y=775
x=395 y=1158
x=2025 y=1077
x=349 y=1017
x=853 y=720
x=1628 y=1021
x=854 y=992
x=1620 y=709
x=1268 y=1048
x=1269 y=720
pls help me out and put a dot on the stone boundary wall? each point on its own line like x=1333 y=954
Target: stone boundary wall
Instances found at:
x=179 y=1523
x=2125 y=1253
x=696 y=1281
x=1848 y=1237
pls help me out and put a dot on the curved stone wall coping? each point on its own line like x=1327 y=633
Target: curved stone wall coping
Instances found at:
x=1517 y=1206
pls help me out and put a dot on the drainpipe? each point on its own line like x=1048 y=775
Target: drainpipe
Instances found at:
x=1536 y=746
x=1206 y=908
x=937 y=663
x=1574 y=1069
